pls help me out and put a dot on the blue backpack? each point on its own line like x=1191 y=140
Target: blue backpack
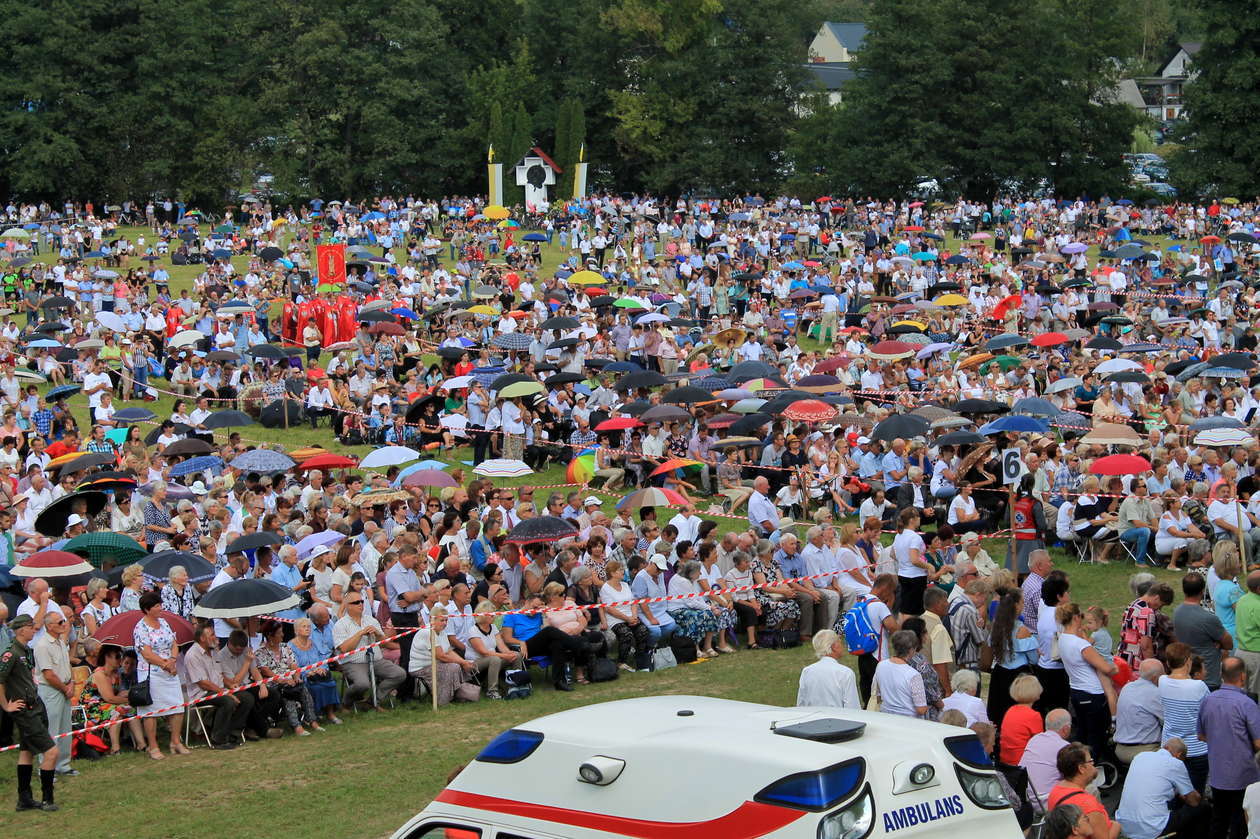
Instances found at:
x=860 y=637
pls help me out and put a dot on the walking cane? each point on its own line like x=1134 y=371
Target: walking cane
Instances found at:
x=433 y=662
x=371 y=673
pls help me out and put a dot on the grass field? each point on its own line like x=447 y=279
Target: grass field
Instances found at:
x=365 y=778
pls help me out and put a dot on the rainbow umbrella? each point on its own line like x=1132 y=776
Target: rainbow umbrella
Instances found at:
x=581 y=468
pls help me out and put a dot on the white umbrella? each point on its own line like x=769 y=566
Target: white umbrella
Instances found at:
x=654 y=317
x=15 y=233
x=389 y=456
x=1066 y=383
x=457 y=382
x=186 y=338
x=502 y=468
x=1115 y=365
x=111 y=321
x=456 y=423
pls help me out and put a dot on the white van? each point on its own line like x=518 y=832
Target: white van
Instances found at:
x=693 y=767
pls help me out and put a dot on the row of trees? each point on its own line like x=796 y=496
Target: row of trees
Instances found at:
x=131 y=98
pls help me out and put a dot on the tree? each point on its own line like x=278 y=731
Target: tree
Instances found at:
x=563 y=150
x=1222 y=154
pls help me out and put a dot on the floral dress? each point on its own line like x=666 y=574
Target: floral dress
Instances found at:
x=96 y=709
x=177 y=603
x=931 y=685
x=774 y=611
x=299 y=708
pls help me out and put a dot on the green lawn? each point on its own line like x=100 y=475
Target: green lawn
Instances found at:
x=367 y=777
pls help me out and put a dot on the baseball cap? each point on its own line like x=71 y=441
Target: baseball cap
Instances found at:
x=659 y=561
x=590 y=499
x=74 y=519
x=862 y=441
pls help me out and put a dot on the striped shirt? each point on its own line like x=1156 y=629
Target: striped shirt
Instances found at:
x=1181 y=699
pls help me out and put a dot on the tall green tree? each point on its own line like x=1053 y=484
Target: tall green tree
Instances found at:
x=562 y=149
x=1222 y=154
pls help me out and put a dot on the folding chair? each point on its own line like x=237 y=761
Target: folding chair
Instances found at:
x=195 y=711
x=1083 y=548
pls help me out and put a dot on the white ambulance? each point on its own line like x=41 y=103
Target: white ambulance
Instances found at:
x=693 y=767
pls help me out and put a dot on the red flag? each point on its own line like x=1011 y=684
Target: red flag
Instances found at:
x=330 y=261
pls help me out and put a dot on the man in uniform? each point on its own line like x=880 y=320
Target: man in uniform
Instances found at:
x=20 y=699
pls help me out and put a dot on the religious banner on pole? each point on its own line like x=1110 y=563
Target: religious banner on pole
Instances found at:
x=330 y=264
x=495 y=176
x=579 y=174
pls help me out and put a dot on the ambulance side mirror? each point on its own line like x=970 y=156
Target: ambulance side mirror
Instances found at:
x=601 y=770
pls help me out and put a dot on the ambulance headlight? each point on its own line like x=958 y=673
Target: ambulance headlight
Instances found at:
x=601 y=770
x=922 y=774
x=852 y=822
x=984 y=790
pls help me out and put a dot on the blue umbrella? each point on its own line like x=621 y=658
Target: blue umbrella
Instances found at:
x=923 y=255
x=263 y=461
x=1035 y=406
x=94 y=255
x=196 y=464
x=62 y=391
x=44 y=344
x=787 y=237
x=534 y=237
x=621 y=367
x=134 y=414
x=1015 y=422
x=792 y=266
x=221 y=253
x=403 y=311
x=372 y=216
x=957 y=259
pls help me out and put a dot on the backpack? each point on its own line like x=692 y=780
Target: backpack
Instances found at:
x=519 y=684
x=603 y=670
x=860 y=637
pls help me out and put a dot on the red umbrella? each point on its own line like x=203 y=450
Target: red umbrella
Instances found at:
x=1049 y=339
x=913 y=228
x=722 y=420
x=618 y=424
x=1120 y=464
x=51 y=564
x=892 y=349
x=835 y=362
x=328 y=461
x=429 y=478
x=1000 y=310
x=674 y=463
x=121 y=628
x=810 y=410
x=594 y=291
x=1211 y=240
x=386 y=328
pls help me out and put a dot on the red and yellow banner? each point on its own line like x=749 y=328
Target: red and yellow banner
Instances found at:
x=330 y=264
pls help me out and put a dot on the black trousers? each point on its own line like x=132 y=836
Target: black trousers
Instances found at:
x=230 y=715
x=560 y=646
x=260 y=717
x=402 y=620
x=1227 y=815
x=910 y=595
x=1093 y=720
x=866 y=676
x=1055 y=691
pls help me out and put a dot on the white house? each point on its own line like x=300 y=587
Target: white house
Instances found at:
x=1162 y=94
x=831 y=54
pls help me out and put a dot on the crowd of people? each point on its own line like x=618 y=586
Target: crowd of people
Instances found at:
x=830 y=401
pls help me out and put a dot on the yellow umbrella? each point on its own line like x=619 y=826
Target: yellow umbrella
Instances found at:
x=950 y=300
x=65 y=458
x=481 y=310
x=913 y=323
x=280 y=222
x=586 y=278
x=1230 y=201
x=496 y=212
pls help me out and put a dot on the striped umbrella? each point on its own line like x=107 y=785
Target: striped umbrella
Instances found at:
x=651 y=497
x=1223 y=437
x=502 y=468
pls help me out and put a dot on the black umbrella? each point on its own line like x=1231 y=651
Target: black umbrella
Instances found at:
x=85 y=461
x=687 y=395
x=270 y=254
x=1131 y=376
x=451 y=353
x=636 y=408
x=151 y=438
x=750 y=425
x=959 y=438
x=603 y=300
x=1102 y=342
x=644 y=378
x=51 y=521
x=377 y=316
x=1192 y=371
x=246 y=598
x=562 y=379
x=1207 y=423
x=942 y=288
x=158 y=566
x=560 y=323
x=506 y=379
x=979 y=406
x=541 y=529
x=228 y=419
x=901 y=425
x=253 y=541
x=563 y=343
x=223 y=355
x=272 y=414
x=748 y=370
x=57 y=302
x=188 y=446
x=1178 y=366
x=416 y=409
x=272 y=352
x=52 y=326
x=1237 y=360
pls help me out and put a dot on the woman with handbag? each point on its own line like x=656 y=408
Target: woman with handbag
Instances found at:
x=275 y=659
x=452 y=669
x=157 y=692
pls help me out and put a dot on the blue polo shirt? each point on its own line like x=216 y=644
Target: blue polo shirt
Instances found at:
x=523 y=627
x=287 y=576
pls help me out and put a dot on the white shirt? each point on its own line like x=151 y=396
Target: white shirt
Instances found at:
x=828 y=683
x=900 y=688
x=344 y=628
x=907 y=541
x=221 y=627
x=1154 y=780
x=762 y=509
x=92 y=380
x=688 y=527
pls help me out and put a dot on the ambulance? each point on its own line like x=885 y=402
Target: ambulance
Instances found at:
x=693 y=767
